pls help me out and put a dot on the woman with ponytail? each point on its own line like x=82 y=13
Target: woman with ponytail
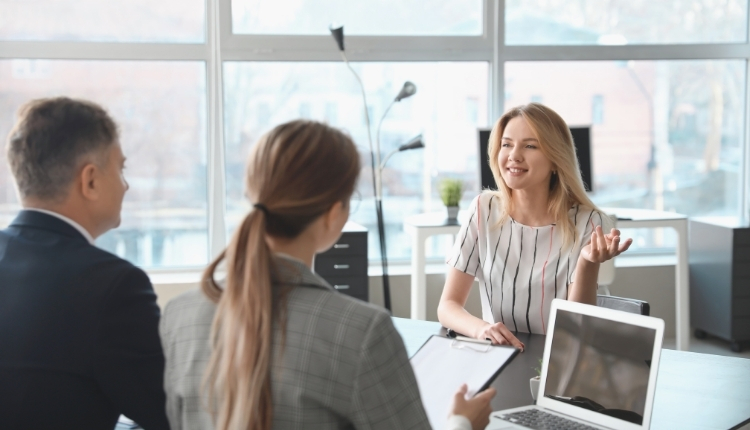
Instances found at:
x=267 y=344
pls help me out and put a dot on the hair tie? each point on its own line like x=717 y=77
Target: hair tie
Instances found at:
x=262 y=208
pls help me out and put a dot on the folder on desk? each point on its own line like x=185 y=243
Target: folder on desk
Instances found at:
x=443 y=364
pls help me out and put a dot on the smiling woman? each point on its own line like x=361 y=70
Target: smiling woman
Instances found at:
x=538 y=237
x=523 y=164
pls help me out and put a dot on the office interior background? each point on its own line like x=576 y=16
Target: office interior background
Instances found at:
x=194 y=83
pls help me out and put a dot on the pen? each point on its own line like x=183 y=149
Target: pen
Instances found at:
x=471 y=339
x=453 y=335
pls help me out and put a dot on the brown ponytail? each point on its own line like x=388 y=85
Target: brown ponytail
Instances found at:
x=297 y=171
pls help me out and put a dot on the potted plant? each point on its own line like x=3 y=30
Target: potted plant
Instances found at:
x=450 y=192
x=534 y=382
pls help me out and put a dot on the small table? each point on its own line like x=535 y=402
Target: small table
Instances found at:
x=693 y=391
x=645 y=218
x=422 y=226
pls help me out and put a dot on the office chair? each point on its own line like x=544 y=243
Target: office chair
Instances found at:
x=622 y=304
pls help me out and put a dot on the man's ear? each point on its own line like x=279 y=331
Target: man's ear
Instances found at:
x=89 y=181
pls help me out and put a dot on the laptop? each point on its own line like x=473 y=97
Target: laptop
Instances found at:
x=598 y=371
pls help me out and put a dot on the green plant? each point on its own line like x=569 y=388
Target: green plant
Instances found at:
x=539 y=369
x=450 y=191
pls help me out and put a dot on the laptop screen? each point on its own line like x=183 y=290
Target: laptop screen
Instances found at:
x=600 y=365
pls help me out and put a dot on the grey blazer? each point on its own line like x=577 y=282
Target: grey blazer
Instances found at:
x=344 y=365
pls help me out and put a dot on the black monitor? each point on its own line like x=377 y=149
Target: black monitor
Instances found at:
x=581 y=140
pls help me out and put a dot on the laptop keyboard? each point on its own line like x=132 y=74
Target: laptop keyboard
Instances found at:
x=540 y=420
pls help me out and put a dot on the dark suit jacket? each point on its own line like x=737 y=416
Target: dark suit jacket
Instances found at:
x=79 y=341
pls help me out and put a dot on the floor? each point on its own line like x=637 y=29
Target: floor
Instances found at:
x=711 y=345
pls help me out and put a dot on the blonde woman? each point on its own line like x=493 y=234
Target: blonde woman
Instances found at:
x=538 y=237
x=274 y=345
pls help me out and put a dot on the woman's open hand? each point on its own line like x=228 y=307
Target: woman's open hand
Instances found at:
x=603 y=247
x=499 y=335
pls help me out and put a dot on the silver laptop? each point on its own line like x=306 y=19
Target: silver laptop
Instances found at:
x=598 y=371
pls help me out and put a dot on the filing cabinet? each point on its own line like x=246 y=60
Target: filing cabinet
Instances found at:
x=720 y=279
x=344 y=266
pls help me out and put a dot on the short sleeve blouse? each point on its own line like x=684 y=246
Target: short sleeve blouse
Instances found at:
x=520 y=269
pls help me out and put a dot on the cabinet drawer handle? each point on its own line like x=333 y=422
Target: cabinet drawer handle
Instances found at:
x=340 y=266
x=341 y=287
x=341 y=246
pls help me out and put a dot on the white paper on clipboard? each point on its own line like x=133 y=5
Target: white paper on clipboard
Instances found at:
x=443 y=364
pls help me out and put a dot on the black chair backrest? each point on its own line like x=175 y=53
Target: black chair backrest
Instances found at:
x=622 y=304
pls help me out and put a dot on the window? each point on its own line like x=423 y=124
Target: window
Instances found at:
x=666 y=99
x=176 y=21
x=161 y=110
x=440 y=111
x=597 y=109
x=377 y=18
x=673 y=139
x=622 y=22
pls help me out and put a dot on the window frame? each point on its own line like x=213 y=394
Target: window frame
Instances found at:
x=222 y=45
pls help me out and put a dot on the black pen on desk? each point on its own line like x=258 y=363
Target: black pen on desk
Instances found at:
x=453 y=335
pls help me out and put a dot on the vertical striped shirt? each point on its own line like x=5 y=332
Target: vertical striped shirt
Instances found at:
x=520 y=269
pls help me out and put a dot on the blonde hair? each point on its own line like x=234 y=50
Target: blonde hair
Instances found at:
x=556 y=143
x=295 y=173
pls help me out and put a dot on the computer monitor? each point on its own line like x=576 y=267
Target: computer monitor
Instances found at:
x=581 y=140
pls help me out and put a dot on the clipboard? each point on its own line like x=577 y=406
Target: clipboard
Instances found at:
x=442 y=364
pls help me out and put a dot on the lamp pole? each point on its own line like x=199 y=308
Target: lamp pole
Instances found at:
x=406 y=91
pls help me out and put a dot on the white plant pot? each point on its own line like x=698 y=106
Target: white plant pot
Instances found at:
x=534 y=385
x=452 y=212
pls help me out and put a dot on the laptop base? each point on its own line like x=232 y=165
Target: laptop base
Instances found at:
x=534 y=417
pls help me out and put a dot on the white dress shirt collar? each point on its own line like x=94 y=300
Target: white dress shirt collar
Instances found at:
x=74 y=224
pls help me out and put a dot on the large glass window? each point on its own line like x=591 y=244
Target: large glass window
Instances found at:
x=665 y=135
x=179 y=21
x=378 y=18
x=620 y=22
x=450 y=104
x=161 y=110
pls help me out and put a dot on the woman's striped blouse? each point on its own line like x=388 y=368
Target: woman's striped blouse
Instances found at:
x=520 y=269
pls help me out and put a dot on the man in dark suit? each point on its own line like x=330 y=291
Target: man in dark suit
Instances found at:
x=79 y=341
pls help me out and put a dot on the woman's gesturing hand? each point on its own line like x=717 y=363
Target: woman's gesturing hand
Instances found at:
x=499 y=335
x=603 y=247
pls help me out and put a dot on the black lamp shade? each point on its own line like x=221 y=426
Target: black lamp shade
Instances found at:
x=408 y=90
x=414 y=143
x=338 y=34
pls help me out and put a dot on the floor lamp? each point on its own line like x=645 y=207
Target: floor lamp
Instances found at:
x=408 y=90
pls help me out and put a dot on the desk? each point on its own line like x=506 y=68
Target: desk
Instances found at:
x=422 y=226
x=693 y=391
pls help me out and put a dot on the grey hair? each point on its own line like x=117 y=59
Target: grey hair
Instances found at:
x=51 y=140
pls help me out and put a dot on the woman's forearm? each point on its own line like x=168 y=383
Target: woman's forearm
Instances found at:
x=452 y=315
x=583 y=290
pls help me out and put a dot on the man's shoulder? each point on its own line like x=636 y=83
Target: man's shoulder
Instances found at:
x=100 y=263
x=60 y=256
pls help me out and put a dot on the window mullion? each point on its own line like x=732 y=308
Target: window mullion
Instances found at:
x=216 y=173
